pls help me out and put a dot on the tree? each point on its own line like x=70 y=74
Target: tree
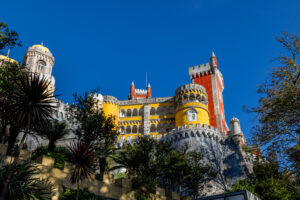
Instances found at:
x=84 y=160
x=93 y=127
x=53 y=131
x=10 y=73
x=23 y=182
x=33 y=103
x=8 y=38
x=269 y=183
x=278 y=109
x=197 y=174
x=151 y=162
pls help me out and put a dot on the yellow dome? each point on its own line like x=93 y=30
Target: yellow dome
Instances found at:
x=6 y=58
x=44 y=49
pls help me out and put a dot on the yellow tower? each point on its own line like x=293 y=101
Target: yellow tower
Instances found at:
x=191 y=105
x=111 y=107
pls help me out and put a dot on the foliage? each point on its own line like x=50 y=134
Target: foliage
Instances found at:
x=279 y=105
x=83 y=194
x=10 y=73
x=84 y=160
x=151 y=162
x=53 y=131
x=93 y=127
x=248 y=149
x=22 y=183
x=33 y=104
x=60 y=155
x=269 y=183
x=8 y=38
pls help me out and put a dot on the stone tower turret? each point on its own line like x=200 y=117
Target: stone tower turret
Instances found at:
x=191 y=105
x=39 y=60
x=236 y=131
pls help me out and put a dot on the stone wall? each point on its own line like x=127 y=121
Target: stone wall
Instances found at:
x=119 y=189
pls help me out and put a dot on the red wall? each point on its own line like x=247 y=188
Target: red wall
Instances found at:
x=205 y=81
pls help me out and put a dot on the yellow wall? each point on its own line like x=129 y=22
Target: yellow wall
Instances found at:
x=181 y=117
x=111 y=109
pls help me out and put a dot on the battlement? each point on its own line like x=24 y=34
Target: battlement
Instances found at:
x=189 y=87
x=110 y=99
x=197 y=71
x=204 y=130
x=141 y=91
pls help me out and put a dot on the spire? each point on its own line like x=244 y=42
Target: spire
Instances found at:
x=132 y=83
x=213 y=60
x=149 y=85
x=213 y=54
x=8 y=51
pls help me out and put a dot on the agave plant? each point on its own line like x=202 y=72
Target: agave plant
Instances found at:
x=84 y=160
x=33 y=103
x=22 y=182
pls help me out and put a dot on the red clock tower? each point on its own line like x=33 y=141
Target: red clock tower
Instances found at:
x=209 y=76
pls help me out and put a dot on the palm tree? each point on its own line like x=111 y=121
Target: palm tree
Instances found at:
x=53 y=131
x=33 y=103
x=84 y=160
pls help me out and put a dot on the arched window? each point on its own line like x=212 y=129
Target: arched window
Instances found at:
x=128 y=113
x=122 y=113
x=128 y=129
x=41 y=65
x=152 y=128
x=152 y=111
x=191 y=115
x=135 y=112
x=122 y=130
x=198 y=97
x=192 y=97
x=141 y=112
x=134 y=129
x=141 y=129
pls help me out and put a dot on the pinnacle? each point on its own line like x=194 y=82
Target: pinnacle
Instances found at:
x=132 y=83
x=213 y=54
x=149 y=85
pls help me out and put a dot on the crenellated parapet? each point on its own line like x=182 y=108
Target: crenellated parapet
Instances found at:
x=202 y=70
x=191 y=93
x=198 y=131
x=110 y=99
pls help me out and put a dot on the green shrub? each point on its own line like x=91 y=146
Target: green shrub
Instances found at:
x=60 y=155
x=83 y=194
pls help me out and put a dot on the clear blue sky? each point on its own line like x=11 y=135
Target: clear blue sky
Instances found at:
x=109 y=44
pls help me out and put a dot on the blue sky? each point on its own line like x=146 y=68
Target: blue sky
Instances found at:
x=109 y=44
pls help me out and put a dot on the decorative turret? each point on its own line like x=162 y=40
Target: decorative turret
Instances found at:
x=111 y=107
x=149 y=92
x=39 y=60
x=139 y=93
x=191 y=105
x=236 y=131
x=213 y=60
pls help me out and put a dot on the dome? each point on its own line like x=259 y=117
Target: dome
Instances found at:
x=6 y=58
x=41 y=47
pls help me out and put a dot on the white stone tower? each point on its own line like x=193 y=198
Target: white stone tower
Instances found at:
x=39 y=60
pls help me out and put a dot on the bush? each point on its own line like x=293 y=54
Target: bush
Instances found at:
x=60 y=155
x=83 y=194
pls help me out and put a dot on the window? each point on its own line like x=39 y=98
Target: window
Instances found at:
x=191 y=115
x=122 y=113
x=41 y=65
